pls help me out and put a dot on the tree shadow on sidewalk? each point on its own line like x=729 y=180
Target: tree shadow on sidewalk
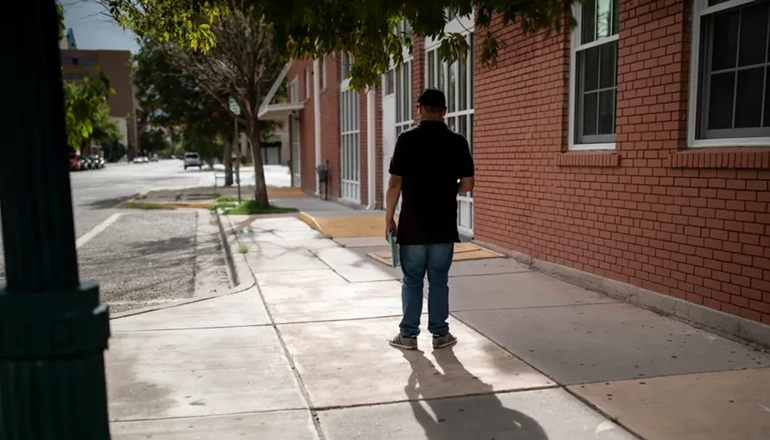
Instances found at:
x=481 y=416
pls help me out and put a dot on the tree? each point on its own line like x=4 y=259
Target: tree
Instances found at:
x=153 y=139
x=243 y=65
x=105 y=129
x=113 y=151
x=171 y=97
x=363 y=28
x=85 y=105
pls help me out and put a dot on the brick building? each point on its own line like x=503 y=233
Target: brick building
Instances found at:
x=631 y=155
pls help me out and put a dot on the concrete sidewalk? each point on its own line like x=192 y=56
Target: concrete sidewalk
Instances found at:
x=303 y=355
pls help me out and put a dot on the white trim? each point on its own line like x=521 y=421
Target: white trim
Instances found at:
x=597 y=42
x=730 y=142
x=317 y=119
x=325 y=75
x=307 y=82
x=590 y=147
x=274 y=88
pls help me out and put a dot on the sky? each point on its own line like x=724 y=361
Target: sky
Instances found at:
x=93 y=29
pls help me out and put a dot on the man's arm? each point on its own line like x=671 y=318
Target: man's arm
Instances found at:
x=391 y=197
x=466 y=185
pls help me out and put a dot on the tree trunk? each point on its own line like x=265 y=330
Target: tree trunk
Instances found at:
x=227 y=160
x=260 y=188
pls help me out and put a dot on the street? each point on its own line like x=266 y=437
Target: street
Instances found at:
x=142 y=258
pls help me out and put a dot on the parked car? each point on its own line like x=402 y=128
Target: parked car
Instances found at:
x=138 y=159
x=74 y=162
x=153 y=158
x=83 y=163
x=192 y=160
x=97 y=162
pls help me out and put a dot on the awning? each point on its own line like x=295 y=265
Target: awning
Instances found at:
x=279 y=112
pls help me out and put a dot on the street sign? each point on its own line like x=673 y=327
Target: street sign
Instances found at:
x=234 y=108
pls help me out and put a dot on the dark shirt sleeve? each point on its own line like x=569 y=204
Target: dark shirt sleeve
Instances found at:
x=397 y=161
x=465 y=160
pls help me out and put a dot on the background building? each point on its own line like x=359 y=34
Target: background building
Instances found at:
x=116 y=64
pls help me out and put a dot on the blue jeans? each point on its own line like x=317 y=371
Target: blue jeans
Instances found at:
x=416 y=260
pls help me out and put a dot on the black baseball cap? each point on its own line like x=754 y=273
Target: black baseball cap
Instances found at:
x=432 y=97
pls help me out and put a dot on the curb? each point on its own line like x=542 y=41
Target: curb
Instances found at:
x=234 y=278
x=310 y=222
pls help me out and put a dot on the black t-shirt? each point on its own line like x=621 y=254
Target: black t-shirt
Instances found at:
x=430 y=159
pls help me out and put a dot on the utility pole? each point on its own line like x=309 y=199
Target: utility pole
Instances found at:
x=53 y=327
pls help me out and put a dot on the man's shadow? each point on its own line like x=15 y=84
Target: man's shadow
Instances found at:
x=478 y=417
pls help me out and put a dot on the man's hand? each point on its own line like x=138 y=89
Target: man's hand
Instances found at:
x=390 y=226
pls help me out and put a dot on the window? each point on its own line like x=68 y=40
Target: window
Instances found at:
x=351 y=142
x=293 y=91
x=346 y=61
x=403 y=91
x=323 y=74
x=730 y=98
x=308 y=88
x=388 y=82
x=593 y=79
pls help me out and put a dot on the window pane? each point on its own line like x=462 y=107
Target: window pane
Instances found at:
x=398 y=96
x=451 y=123
x=721 y=101
x=451 y=87
x=615 y=17
x=463 y=80
x=609 y=55
x=590 y=66
x=431 y=69
x=588 y=22
x=590 y=105
x=405 y=98
x=440 y=72
x=603 y=18
x=462 y=126
x=607 y=112
x=753 y=35
x=725 y=40
x=472 y=61
x=470 y=133
x=748 y=99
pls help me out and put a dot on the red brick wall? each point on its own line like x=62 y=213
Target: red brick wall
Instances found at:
x=418 y=75
x=690 y=224
x=378 y=167
x=363 y=135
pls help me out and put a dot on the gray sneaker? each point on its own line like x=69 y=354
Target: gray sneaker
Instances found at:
x=403 y=342
x=443 y=341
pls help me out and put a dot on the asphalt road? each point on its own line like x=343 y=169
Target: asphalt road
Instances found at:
x=143 y=258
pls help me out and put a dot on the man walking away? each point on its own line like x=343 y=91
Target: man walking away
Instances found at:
x=427 y=164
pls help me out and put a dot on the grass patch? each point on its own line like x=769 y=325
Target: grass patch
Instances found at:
x=251 y=207
x=225 y=203
x=243 y=249
x=145 y=206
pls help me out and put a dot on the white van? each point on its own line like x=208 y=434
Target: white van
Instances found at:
x=192 y=160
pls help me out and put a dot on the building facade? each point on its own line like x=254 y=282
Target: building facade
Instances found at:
x=116 y=64
x=635 y=148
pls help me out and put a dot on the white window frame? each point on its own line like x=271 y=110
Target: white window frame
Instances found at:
x=701 y=10
x=465 y=27
x=346 y=61
x=293 y=91
x=308 y=87
x=577 y=12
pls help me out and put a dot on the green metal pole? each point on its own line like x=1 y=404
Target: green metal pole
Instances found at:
x=53 y=328
x=238 y=161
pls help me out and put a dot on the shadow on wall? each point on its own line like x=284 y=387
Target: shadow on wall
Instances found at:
x=460 y=419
